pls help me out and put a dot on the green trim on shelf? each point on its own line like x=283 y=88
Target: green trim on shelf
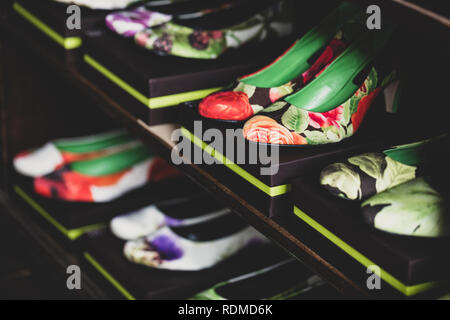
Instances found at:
x=271 y=191
x=108 y=276
x=152 y=103
x=72 y=234
x=366 y=262
x=69 y=43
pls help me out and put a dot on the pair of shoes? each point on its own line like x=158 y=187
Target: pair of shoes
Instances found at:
x=205 y=34
x=97 y=168
x=318 y=92
x=286 y=280
x=184 y=235
x=398 y=187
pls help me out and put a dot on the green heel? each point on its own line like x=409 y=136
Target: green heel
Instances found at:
x=336 y=84
x=296 y=60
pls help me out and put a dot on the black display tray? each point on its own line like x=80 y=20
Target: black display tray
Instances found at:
x=409 y=265
x=104 y=252
x=47 y=21
x=72 y=219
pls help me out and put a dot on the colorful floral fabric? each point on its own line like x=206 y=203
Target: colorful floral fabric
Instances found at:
x=70 y=185
x=287 y=121
x=416 y=208
x=365 y=175
x=128 y=23
x=246 y=100
x=106 y=177
x=177 y=40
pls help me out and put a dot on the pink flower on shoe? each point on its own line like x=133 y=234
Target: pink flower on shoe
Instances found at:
x=326 y=119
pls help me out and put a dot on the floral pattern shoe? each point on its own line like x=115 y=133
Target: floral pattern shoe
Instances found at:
x=58 y=153
x=195 y=247
x=183 y=41
x=128 y=23
x=101 y=4
x=283 y=281
x=106 y=178
x=416 y=208
x=175 y=213
x=332 y=106
x=365 y=175
x=286 y=75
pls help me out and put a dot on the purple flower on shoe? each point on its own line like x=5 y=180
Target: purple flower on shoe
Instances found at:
x=128 y=23
x=167 y=248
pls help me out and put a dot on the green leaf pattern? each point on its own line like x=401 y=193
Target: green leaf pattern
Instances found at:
x=343 y=178
x=275 y=107
x=395 y=173
x=384 y=174
x=295 y=119
x=414 y=208
x=246 y=88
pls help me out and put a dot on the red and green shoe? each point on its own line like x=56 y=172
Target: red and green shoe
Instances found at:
x=58 y=153
x=332 y=106
x=289 y=73
x=105 y=178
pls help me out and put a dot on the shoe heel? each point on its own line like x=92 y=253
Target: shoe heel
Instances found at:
x=392 y=96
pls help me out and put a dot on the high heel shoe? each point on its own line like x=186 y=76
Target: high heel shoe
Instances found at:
x=332 y=106
x=195 y=247
x=128 y=23
x=209 y=43
x=418 y=208
x=286 y=75
x=58 y=153
x=365 y=175
x=106 y=178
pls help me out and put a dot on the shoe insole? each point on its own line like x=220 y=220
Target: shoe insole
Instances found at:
x=187 y=7
x=211 y=230
x=187 y=208
x=226 y=18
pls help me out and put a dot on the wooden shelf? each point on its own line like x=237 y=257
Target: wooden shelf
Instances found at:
x=158 y=138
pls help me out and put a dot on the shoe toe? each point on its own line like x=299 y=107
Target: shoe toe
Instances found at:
x=39 y=162
x=227 y=105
